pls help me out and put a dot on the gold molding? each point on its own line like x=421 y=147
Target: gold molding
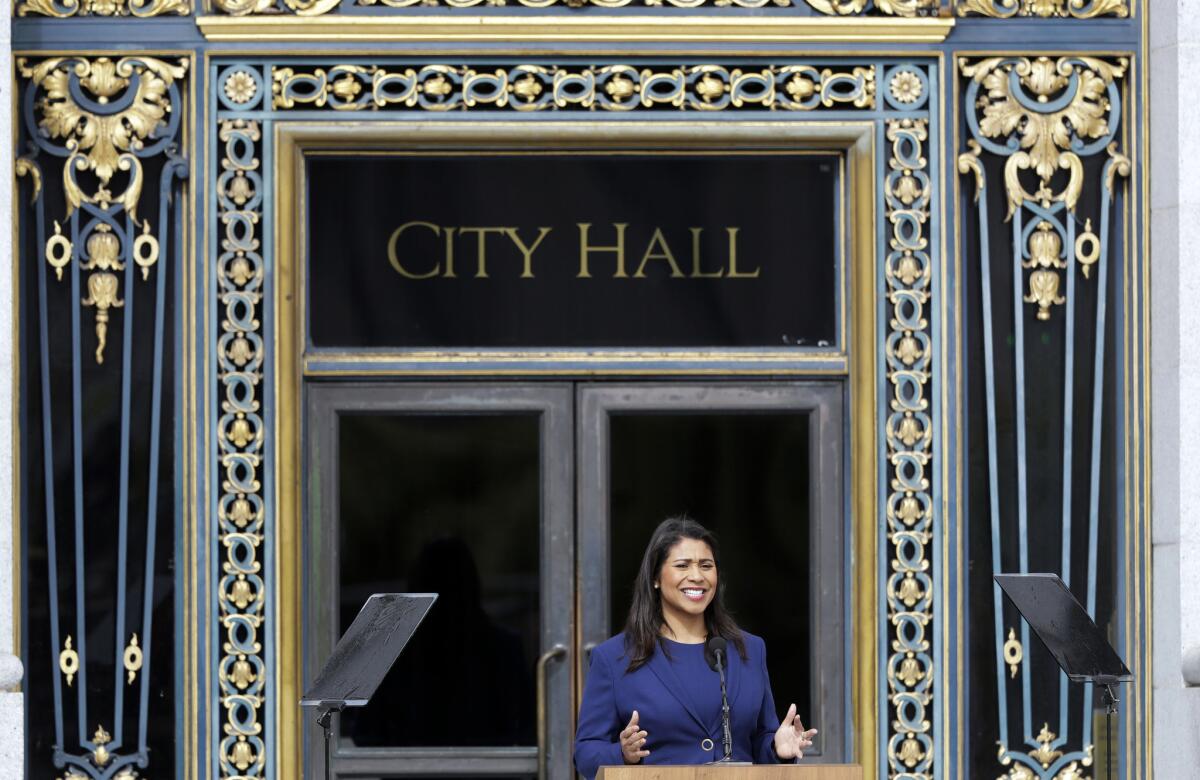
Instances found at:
x=568 y=30
x=854 y=138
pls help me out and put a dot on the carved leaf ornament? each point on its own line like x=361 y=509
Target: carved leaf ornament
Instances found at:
x=103 y=115
x=1044 y=116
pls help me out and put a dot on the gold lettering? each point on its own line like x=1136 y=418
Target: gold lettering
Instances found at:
x=585 y=249
x=481 y=242
x=527 y=251
x=395 y=260
x=665 y=254
x=450 y=253
x=733 y=269
x=696 y=272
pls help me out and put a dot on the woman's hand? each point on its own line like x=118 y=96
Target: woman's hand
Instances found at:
x=632 y=740
x=791 y=739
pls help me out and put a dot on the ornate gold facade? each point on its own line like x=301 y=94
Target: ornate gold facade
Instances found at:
x=1059 y=128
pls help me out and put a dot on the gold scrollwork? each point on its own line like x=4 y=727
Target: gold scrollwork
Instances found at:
x=68 y=8
x=25 y=166
x=888 y=7
x=103 y=142
x=1045 y=755
x=575 y=3
x=1065 y=9
x=242 y=671
x=132 y=659
x=968 y=162
x=68 y=661
x=1014 y=653
x=442 y=88
x=1047 y=110
x=298 y=7
x=909 y=451
x=1045 y=136
x=72 y=107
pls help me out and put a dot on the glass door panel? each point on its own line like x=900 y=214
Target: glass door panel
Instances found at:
x=454 y=490
x=762 y=467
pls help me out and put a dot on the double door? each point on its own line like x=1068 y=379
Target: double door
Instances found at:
x=527 y=508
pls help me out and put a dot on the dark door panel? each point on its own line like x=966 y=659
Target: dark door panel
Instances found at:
x=457 y=490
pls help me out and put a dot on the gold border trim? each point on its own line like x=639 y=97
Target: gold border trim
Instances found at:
x=569 y=31
x=854 y=138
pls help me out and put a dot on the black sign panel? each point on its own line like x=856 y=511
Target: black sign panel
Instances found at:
x=573 y=250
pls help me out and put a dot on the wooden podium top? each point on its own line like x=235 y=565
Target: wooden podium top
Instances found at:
x=710 y=772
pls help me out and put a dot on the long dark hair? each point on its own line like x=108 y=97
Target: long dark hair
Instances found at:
x=643 y=627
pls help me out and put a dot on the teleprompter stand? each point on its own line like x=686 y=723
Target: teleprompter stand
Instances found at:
x=1071 y=636
x=363 y=656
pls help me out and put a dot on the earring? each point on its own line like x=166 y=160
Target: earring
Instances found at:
x=656 y=586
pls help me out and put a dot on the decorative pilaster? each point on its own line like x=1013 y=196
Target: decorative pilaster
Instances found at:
x=1040 y=122
x=241 y=593
x=101 y=134
x=908 y=271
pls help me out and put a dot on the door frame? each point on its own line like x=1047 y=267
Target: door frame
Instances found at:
x=554 y=405
x=828 y=511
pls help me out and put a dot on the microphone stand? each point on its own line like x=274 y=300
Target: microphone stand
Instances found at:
x=1110 y=709
x=325 y=720
x=727 y=736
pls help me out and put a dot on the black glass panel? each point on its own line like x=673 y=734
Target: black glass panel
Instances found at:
x=521 y=250
x=449 y=505
x=745 y=477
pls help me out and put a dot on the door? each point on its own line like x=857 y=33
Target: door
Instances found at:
x=527 y=507
x=467 y=491
x=761 y=465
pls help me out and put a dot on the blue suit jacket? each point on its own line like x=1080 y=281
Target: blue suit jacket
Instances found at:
x=667 y=711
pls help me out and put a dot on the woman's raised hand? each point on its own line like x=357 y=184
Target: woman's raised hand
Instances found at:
x=632 y=741
x=791 y=739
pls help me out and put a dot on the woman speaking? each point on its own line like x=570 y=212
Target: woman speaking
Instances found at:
x=652 y=696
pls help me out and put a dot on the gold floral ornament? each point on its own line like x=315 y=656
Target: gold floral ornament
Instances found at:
x=1063 y=9
x=906 y=87
x=910 y=752
x=240 y=87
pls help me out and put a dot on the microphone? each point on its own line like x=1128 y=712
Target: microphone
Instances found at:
x=715 y=653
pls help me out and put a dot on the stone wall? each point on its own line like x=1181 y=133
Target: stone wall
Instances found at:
x=12 y=742
x=1175 y=376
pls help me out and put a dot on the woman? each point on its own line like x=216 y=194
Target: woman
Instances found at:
x=652 y=698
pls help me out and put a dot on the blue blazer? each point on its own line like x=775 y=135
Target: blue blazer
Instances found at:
x=667 y=712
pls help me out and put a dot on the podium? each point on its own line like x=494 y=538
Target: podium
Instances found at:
x=718 y=772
